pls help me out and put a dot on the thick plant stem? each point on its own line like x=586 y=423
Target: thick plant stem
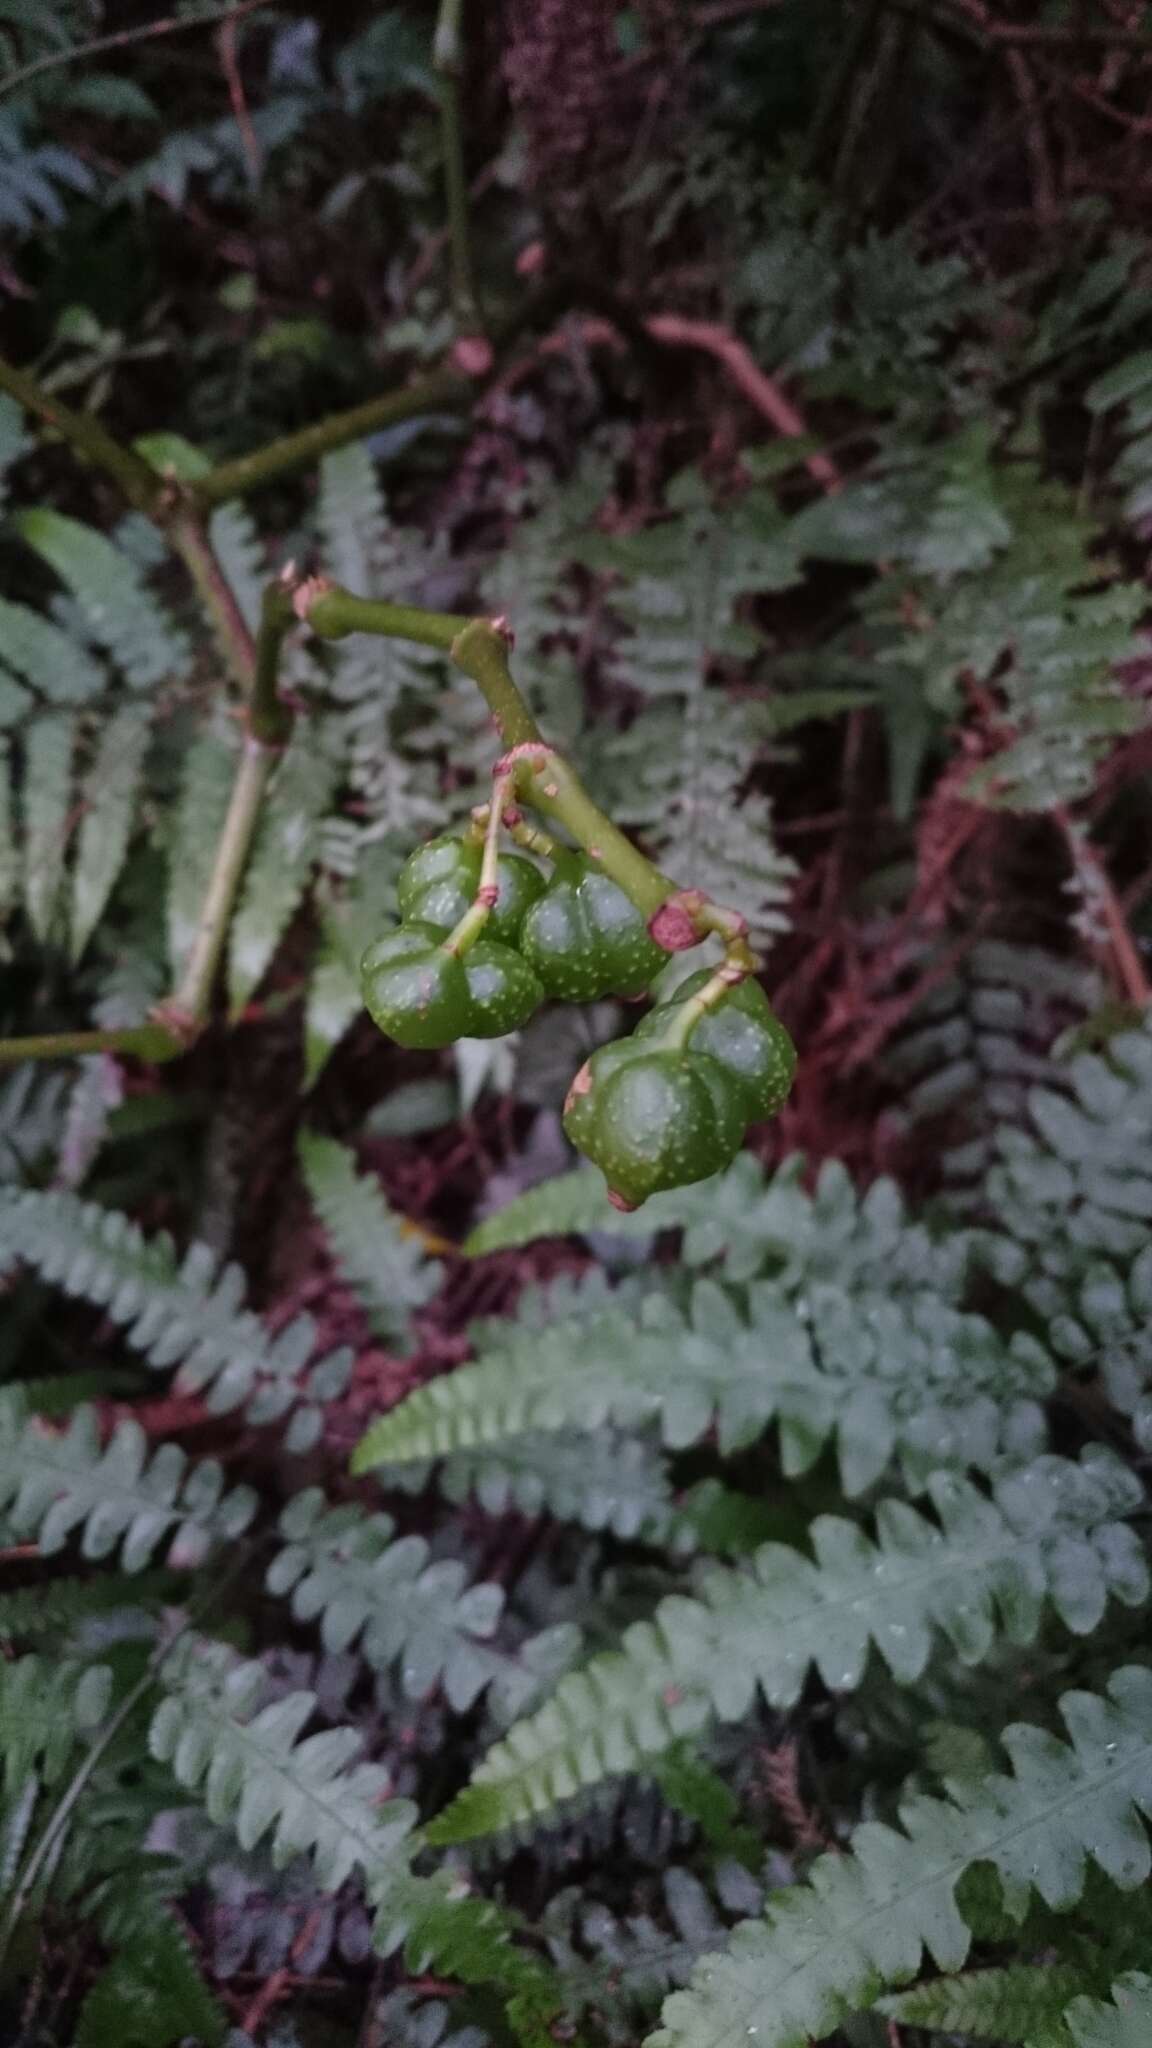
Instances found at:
x=480 y=648
x=442 y=391
x=545 y=781
x=152 y=1042
x=333 y=613
x=188 y=536
x=269 y=723
x=194 y=993
x=448 y=60
x=141 y=484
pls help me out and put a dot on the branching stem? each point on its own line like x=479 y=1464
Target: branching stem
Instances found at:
x=448 y=60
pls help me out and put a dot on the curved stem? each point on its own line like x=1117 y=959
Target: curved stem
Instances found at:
x=480 y=648
x=142 y=485
x=545 y=780
x=478 y=912
x=153 y=1042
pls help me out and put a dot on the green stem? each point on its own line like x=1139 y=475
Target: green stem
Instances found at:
x=683 y=1022
x=448 y=60
x=478 y=912
x=141 y=484
x=480 y=648
x=194 y=994
x=187 y=534
x=269 y=717
x=442 y=391
x=546 y=782
x=333 y=613
x=153 y=1042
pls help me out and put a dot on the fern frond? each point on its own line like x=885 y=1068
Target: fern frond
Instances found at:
x=151 y=1996
x=54 y=1607
x=259 y=1775
x=472 y=1940
x=187 y=1314
x=365 y=1585
x=382 y=1258
x=865 y=1919
x=121 y=613
x=1124 y=2023
x=977 y=1044
x=879 y=1374
x=33 y=1105
x=47 y=1706
x=54 y=664
x=613 y=1968
x=55 y=1485
x=754 y=1223
x=286 y=848
x=111 y=790
x=1049 y=1535
x=205 y=787
x=1011 y=2004
x=45 y=804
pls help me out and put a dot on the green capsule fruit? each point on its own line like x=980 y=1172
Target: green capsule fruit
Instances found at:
x=586 y=939
x=438 y=883
x=653 y=1118
x=425 y=997
x=502 y=989
x=415 y=991
x=743 y=1034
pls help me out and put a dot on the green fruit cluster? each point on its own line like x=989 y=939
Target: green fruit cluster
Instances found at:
x=654 y=1112
x=667 y=1106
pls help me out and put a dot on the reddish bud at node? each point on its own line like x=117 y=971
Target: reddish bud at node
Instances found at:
x=674 y=926
x=500 y=625
x=488 y=896
x=621 y=1202
x=472 y=355
x=511 y=815
x=530 y=259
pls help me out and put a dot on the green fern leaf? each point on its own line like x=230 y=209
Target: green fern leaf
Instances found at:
x=46 y=799
x=1124 y=2023
x=382 y=1259
x=9 y=851
x=880 y=1374
x=152 y=1996
x=53 y=663
x=472 y=1940
x=282 y=859
x=865 y=1919
x=56 y=1606
x=261 y=1776
x=188 y=1314
x=348 y=1570
x=110 y=795
x=47 y=1706
x=120 y=612
x=56 y=1485
x=205 y=788
x=756 y=1223
x=1049 y=1534
x=1006 y=2005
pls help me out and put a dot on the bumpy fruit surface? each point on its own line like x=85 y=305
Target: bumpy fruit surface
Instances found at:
x=425 y=998
x=743 y=1033
x=439 y=881
x=586 y=939
x=653 y=1118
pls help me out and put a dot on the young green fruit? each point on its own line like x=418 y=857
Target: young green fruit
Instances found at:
x=425 y=997
x=438 y=883
x=652 y=1118
x=742 y=1033
x=586 y=939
